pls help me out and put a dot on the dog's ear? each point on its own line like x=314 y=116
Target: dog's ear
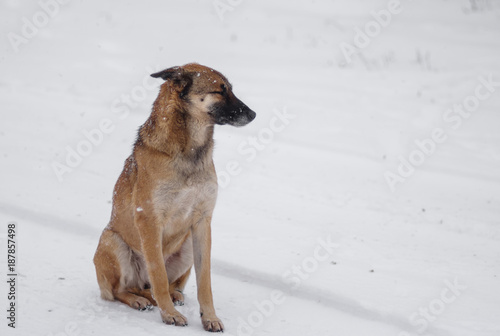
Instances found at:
x=180 y=78
x=169 y=73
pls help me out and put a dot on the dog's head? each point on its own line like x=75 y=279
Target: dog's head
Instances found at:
x=208 y=93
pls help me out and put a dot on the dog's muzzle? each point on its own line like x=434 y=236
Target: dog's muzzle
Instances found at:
x=235 y=115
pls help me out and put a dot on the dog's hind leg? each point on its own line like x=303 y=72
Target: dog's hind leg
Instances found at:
x=107 y=266
x=110 y=272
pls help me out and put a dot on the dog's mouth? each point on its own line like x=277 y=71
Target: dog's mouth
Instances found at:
x=236 y=115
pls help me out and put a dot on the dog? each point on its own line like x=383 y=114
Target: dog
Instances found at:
x=164 y=198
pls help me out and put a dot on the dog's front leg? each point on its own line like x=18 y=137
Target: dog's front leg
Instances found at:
x=151 y=242
x=202 y=242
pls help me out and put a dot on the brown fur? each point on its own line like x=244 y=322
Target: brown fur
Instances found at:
x=164 y=199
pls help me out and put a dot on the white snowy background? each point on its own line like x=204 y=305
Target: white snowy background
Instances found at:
x=421 y=259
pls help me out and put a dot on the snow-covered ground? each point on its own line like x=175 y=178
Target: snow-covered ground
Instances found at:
x=363 y=200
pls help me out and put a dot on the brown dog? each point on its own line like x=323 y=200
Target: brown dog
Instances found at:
x=164 y=198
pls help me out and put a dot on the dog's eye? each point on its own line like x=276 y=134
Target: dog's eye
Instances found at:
x=223 y=92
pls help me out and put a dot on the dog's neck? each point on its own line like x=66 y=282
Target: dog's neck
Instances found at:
x=173 y=131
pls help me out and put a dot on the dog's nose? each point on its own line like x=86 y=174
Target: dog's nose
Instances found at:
x=251 y=115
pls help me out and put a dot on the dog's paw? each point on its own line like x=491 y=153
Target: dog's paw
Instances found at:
x=174 y=318
x=142 y=304
x=213 y=324
x=177 y=298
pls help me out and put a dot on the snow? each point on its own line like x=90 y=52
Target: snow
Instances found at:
x=308 y=237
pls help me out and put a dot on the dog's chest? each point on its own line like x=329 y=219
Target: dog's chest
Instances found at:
x=174 y=201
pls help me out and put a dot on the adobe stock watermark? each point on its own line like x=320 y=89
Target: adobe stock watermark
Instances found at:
x=252 y=145
x=363 y=37
x=426 y=315
x=223 y=6
x=90 y=139
x=31 y=27
x=453 y=118
x=291 y=279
